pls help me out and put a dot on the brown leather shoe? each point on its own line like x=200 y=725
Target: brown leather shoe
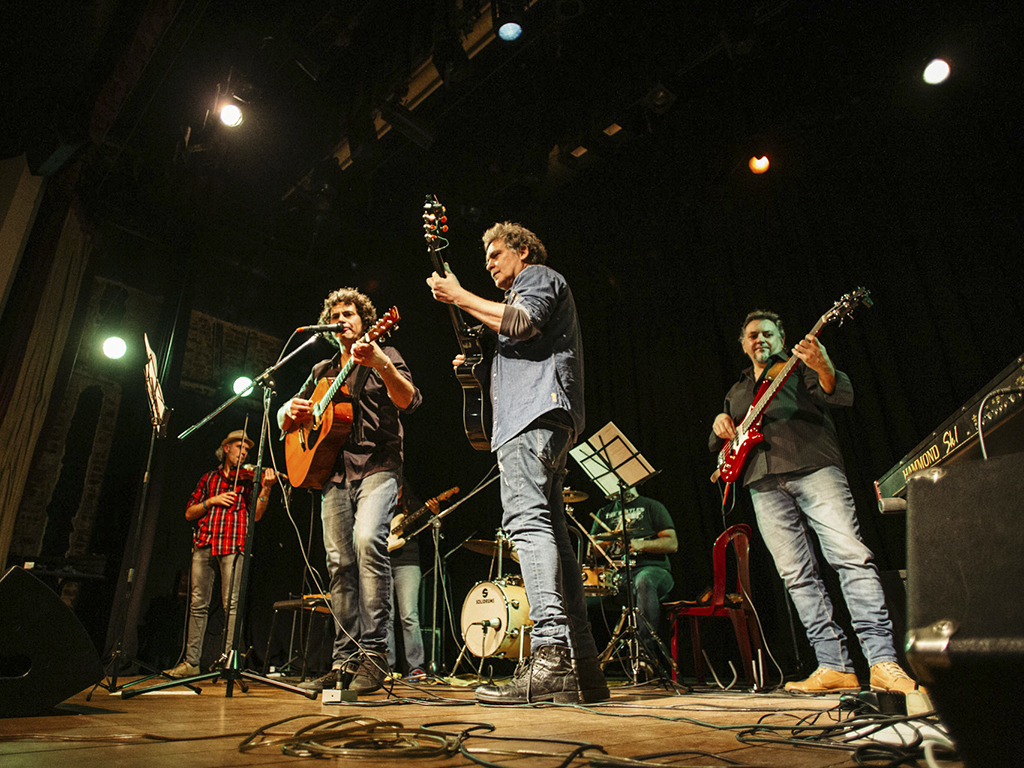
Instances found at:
x=889 y=676
x=824 y=680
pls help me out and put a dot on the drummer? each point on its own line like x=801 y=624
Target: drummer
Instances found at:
x=651 y=536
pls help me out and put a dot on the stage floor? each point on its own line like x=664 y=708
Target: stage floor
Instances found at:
x=177 y=728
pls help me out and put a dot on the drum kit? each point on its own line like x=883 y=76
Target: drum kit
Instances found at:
x=496 y=614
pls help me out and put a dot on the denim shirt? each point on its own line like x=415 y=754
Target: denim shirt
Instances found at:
x=532 y=377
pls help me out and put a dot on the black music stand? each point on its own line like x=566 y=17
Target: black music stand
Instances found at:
x=231 y=671
x=615 y=466
x=159 y=414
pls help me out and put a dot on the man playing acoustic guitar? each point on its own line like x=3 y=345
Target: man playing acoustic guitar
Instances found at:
x=537 y=398
x=362 y=489
x=797 y=484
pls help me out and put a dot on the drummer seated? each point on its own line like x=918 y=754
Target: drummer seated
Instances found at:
x=650 y=537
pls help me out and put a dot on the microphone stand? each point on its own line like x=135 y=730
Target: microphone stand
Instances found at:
x=435 y=524
x=232 y=672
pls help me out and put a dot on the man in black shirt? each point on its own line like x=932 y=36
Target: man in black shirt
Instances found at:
x=797 y=484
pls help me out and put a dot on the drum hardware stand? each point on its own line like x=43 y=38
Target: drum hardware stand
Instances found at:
x=615 y=466
x=435 y=524
x=231 y=672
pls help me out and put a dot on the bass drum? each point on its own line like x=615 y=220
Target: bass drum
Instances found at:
x=496 y=619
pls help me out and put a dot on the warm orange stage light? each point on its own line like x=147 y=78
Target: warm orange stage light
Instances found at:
x=758 y=164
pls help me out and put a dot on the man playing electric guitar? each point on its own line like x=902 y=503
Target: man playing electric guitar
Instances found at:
x=359 y=497
x=797 y=484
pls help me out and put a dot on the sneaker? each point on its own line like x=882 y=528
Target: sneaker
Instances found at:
x=889 y=676
x=330 y=680
x=370 y=673
x=182 y=670
x=417 y=673
x=824 y=680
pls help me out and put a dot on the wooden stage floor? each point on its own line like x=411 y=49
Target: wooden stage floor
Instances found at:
x=176 y=728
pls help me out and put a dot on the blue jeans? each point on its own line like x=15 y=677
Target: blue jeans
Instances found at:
x=356 y=517
x=787 y=508
x=204 y=571
x=532 y=466
x=407 y=590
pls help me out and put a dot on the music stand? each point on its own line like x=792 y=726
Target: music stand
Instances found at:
x=231 y=672
x=615 y=465
x=159 y=415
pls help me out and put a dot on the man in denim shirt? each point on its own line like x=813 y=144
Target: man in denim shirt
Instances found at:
x=537 y=400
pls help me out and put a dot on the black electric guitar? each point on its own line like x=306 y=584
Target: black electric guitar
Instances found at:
x=733 y=455
x=475 y=343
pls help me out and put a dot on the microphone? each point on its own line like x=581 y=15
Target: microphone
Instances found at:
x=490 y=623
x=329 y=328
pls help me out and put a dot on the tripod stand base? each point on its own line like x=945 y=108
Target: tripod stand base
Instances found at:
x=230 y=674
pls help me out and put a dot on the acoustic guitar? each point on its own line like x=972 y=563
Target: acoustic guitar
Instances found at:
x=474 y=374
x=311 y=446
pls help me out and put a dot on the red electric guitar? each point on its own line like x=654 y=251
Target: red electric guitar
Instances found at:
x=311 y=446
x=734 y=452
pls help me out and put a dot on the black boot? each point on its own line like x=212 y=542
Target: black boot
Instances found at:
x=547 y=675
x=590 y=681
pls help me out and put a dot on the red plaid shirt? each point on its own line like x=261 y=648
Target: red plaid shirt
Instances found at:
x=222 y=528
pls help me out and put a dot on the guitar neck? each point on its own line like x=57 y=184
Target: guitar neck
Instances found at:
x=326 y=400
x=458 y=321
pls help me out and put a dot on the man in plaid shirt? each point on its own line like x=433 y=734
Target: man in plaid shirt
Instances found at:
x=219 y=509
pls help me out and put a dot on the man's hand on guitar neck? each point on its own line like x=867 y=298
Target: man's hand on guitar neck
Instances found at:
x=447 y=289
x=812 y=352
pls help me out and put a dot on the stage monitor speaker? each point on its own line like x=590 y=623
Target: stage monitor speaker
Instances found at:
x=965 y=613
x=45 y=654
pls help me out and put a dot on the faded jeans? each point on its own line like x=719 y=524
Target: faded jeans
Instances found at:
x=406 y=606
x=204 y=568
x=788 y=507
x=356 y=517
x=532 y=466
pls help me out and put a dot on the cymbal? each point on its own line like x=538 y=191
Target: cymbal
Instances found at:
x=490 y=548
x=608 y=535
x=569 y=496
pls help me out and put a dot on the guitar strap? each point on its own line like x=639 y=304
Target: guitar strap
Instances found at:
x=362 y=374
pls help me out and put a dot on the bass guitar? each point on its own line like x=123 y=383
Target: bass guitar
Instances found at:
x=311 y=446
x=733 y=455
x=474 y=374
x=401 y=523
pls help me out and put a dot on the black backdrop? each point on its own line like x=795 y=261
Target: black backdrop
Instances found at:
x=911 y=192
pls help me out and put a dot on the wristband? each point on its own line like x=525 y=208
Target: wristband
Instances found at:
x=387 y=362
x=206 y=505
x=263 y=498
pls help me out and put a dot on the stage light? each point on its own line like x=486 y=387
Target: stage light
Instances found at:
x=242 y=386
x=758 y=165
x=507 y=18
x=231 y=115
x=114 y=347
x=936 y=72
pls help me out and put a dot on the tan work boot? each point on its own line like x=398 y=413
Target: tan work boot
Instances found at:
x=889 y=676
x=182 y=670
x=824 y=680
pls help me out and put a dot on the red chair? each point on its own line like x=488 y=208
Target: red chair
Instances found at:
x=735 y=606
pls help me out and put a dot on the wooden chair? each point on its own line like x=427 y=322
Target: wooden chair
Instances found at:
x=735 y=606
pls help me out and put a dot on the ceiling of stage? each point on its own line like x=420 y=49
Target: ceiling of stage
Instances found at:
x=695 y=86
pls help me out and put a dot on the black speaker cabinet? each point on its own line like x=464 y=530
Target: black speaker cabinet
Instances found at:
x=965 y=609
x=46 y=655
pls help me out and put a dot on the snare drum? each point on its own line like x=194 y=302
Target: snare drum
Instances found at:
x=503 y=606
x=598 y=582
